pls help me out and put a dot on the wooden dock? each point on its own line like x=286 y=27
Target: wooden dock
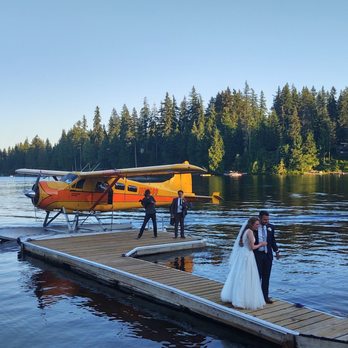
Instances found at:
x=111 y=258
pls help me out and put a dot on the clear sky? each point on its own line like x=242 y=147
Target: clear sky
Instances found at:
x=60 y=59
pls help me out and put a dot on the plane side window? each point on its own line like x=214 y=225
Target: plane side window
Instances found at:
x=79 y=184
x=119 y=186
x=69 y=178
x=132 y=188
x=101 y=186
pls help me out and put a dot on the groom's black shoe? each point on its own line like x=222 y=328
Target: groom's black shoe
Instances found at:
x=268 y=300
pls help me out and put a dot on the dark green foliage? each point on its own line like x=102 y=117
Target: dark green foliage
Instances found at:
x=310 y=154
x=343 y=116
x=216 y=152
x=302 y=131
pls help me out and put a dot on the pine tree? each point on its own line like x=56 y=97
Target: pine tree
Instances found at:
x=332 y=106
x=97 y=133
x=295 y=142
x=294 y=133
x=262 y=106
x=324 y=127
x=342 y=133
x=63 y=156
x=144 y=133
x=196 y=148
x=127 y=129
x=309 y=158
x=154 y=134
x=281 y=168
x=167 y=117
x=184 y=130
x=210 y=119
x=114 y=125
x=195 y=107
x=307 y=110
x=284 y=107
x=184 y=127
x=228 y=120
x=144 y=121
x=135 y=122
x=84 y=124
x=216 y=152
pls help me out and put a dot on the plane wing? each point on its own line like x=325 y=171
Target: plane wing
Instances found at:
x=180 y=168
x=146 y=171
x=42 y=172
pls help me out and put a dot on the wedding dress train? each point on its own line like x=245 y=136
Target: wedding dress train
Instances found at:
x=242 y=287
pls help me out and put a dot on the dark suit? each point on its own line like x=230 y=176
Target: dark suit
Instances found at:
x=150 y=213
x=264 y=260
x=179 y=217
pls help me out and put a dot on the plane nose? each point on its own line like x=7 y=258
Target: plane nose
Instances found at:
x=30 y=193
x=34 y=193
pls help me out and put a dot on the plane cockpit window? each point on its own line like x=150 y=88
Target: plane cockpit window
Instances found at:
x=132 y=188
x=79 y=184
x=119 y=186
x=69 y=178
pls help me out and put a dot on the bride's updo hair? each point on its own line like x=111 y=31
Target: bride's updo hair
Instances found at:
x=249 y=226
x=251 y=222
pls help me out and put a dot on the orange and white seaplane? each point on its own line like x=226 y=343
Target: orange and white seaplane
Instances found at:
x=90 y=193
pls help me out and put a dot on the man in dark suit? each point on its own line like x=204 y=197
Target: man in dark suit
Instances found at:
x=178 y=211
x=264 y=254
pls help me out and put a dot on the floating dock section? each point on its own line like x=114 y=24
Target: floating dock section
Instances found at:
x=112 y=258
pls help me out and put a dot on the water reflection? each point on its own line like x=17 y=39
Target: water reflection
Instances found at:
x=48 y=288
x=144 y=320
x=311 y=218
x=182 y=263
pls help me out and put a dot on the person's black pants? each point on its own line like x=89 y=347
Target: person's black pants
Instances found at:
x=264 y=266
x=146 y=220
x=179 y=219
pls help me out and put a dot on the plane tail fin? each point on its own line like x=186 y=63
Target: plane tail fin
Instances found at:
x=181 y=182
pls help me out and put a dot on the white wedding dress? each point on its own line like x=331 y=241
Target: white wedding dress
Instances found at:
x=243 y=287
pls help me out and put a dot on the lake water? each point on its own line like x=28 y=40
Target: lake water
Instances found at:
x=43 y=305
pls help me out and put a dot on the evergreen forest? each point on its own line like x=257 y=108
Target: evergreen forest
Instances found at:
x=303 y=131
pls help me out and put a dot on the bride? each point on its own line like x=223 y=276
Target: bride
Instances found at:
x=242 y=287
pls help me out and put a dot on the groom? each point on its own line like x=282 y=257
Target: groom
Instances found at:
x=264 y=254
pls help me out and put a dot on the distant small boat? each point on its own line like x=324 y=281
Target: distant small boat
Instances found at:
x=233 y=173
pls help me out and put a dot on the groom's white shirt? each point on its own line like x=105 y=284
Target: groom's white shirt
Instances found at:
x=262 y=235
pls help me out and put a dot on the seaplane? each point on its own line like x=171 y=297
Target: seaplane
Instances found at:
x=91 y=193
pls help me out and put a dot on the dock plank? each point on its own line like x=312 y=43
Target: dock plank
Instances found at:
x=286 y=311
x=301 y=318
x=329 y=328
x=312 y=324
x=198 y=290
x=274 y=307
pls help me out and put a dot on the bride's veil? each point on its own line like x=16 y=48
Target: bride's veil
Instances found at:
x=236 y=248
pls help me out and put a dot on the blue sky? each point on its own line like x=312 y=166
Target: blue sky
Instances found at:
x=60 y=59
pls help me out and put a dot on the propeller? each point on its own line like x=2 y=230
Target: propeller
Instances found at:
x=33 y=193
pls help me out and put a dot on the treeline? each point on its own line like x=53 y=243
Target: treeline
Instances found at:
x=304 y=130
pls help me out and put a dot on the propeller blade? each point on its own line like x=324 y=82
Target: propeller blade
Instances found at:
x=33 y=193
x=36 y=182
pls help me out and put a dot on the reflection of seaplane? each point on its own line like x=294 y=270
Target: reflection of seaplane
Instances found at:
x=86 y=193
